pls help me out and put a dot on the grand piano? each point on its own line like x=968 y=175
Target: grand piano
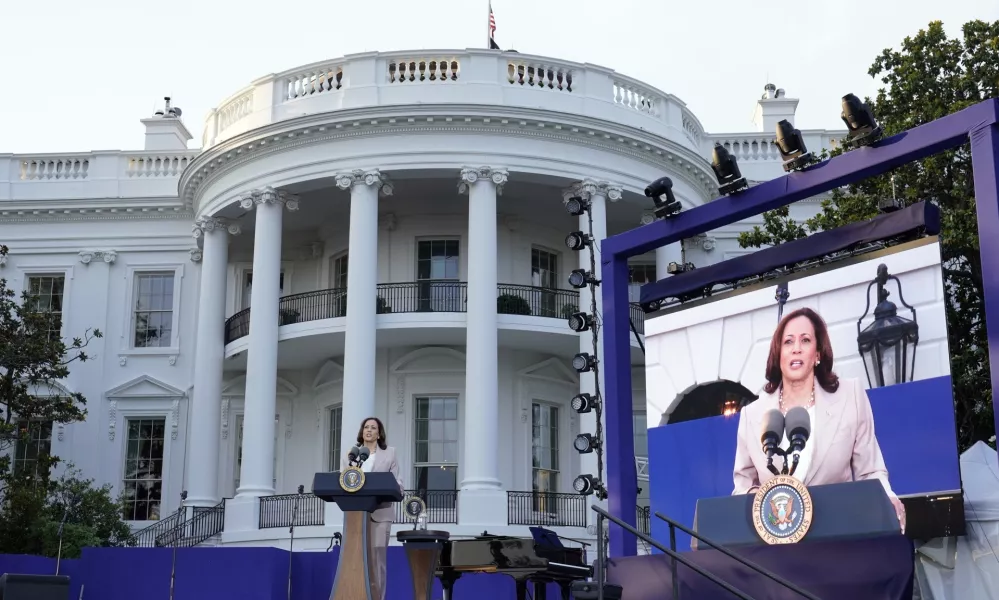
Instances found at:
x=541 y=559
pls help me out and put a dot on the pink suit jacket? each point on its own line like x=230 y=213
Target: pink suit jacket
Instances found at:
x=846 y=448
x=385 y=461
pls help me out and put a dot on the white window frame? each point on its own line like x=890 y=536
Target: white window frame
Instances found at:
x=414 y=464
x=27 y=271
x=559 y=444
x=241 y=270
x=333 y=260
x=53 y=432
x=128 y=326
x=437 y=238
x=327 y=428
x=644 y=265
x=154 y=410
x=238 y=421
x=561 y=277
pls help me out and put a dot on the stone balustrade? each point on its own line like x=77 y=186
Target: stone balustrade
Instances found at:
x=460 y=77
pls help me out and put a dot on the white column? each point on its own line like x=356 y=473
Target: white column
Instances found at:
x=597 y=193
x=362 y=299
x=482 y=498
x=206 y=403
x=256 y=477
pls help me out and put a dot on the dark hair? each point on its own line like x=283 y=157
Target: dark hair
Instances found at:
x=824 y=375
x=381 y=432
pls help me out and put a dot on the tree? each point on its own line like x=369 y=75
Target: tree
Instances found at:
x=929 y=77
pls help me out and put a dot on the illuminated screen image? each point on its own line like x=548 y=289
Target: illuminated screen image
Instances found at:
x=708 y=358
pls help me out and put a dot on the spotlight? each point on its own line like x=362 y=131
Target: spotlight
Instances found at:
x=583 y=362
x=887 y=205
x=675 y=268
x=577 y=240
x=580 y=322
x=656 y=190
x=792 y=147
x=576 y=206
x=580 y=278
x=585 y=443
x=583 y=403
x=588 y=484
x=859 y=119
x=730 y=179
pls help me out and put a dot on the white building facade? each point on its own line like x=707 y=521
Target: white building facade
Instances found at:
x=424 y=191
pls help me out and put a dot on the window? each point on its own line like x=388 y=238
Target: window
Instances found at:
x=239 y=451
x=338 y=281
x=48 y=293
x=248 y=288
x=544 y=454
x=640 y=427
x=153 y=310
x=436 y=268
x=639 y=275
x=436 y=464
x=143 y=476
x=335 y=437
x=35 y=439
x=544 y=269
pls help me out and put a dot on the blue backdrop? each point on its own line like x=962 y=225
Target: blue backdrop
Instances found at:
x=231 y=573
x=914 y=423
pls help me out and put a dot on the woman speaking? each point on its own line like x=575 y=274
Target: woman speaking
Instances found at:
x=842 y=446
x=371 y=435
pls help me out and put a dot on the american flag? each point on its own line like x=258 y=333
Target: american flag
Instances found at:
x=492 y=29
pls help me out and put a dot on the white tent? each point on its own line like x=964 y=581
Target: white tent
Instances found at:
x=967 y=567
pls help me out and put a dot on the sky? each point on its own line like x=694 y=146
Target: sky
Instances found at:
x=77 y=76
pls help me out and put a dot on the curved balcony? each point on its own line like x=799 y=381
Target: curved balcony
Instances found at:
x=422 y=297
x=465 y=77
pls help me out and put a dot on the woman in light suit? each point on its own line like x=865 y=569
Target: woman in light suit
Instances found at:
x=842 y=446
x=382 y=458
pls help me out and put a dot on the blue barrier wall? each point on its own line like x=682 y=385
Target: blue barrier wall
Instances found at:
x=232 y=573
x=914 y=423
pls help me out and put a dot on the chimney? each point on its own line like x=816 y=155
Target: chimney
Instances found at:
x=165 y=130
x=772 y=108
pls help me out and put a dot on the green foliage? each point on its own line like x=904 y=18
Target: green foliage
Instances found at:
x=929 y=77
x=33 y=506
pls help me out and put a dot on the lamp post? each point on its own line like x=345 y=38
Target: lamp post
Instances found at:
x=885 y=343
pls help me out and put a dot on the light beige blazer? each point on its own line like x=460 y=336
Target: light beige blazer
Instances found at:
x=384 y=461
x=846 y=448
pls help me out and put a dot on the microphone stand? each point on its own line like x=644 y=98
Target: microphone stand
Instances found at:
x=291 y=530
x=65 y=514
x=173 y=565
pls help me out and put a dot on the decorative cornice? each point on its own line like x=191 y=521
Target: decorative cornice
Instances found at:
x=209 y=224
x=470 y=175
x=661 y=153
x=196 y=255
x=109 y=256
x=374 y=177
x=97 y=214
x=268 y=195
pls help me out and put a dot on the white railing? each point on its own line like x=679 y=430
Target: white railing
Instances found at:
x=479 y=77
x=748 y=147
x=93 y=175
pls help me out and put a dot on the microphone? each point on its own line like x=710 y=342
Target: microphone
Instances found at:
x=799 y=427
x=352 y=456
x=363 y=455
x=773 y=431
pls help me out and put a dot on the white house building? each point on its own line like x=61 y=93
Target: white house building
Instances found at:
x=379 y=234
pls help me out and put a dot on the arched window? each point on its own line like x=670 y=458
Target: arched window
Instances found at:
x=711 y=399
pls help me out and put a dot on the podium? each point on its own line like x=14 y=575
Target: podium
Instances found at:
x=357 y=496
x=840 y=511
x=423 y=550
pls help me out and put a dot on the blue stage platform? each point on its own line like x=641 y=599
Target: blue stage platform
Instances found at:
x=231 y=573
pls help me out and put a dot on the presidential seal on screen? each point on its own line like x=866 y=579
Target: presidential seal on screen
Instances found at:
x=351 y=479
x=782 y=510
x=414 y=507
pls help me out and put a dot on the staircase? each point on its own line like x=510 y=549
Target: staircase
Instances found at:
x=185 y=528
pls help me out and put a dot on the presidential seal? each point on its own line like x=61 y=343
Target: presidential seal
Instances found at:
x=782 y=510
x=414 y=507
x=351 y=479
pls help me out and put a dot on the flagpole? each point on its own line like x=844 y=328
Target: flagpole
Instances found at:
x=489 y=24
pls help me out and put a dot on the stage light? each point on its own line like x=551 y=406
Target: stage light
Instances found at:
x=859 y=118
x=888 y=345
x=585 y=443
x=580 y=322
x=576 y=206
x=792 y=147
x=580 y=278
x=583 y=362
x=583 y=403
x=675 y=268
x=588 y=484
x=577 y=240
x=730 y=179
x=664 y=208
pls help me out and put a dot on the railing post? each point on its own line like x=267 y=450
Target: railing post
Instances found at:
x=601 y=557
x=672 y=561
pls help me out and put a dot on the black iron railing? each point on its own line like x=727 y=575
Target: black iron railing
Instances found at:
x=442 y=506
x=277 y=511
x=643 y=519
x=205 y=523
x=546 y=509
x=146 y=537
x=638 y=317
x=413 y=297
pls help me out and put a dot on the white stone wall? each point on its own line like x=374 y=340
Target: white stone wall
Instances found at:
x=729 y=338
